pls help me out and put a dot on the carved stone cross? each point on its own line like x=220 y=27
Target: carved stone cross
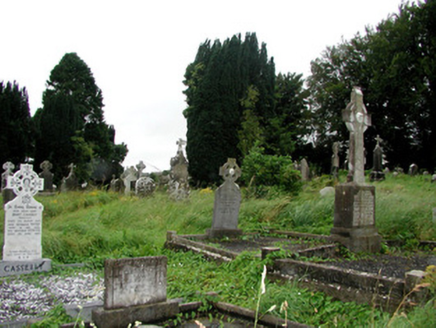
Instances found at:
x=180 y=143
x=357 y=121
x=140 y=167
x=8 y=166
x=25 y=181
x=230 y=171
x=46 y=166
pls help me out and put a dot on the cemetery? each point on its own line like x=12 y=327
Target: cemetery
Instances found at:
x=290 y=202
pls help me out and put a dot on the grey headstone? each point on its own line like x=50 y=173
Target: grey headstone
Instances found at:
x=327 y=191
x=70 y=183
x=7 y=193
x=135 y=281
x=227 y=202
x=145 y=186
x=46 y=166
x=304 y=169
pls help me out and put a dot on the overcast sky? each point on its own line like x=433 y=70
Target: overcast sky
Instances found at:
x=138 y=51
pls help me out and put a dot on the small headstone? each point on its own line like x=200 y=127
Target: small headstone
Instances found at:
x=70 y=183
x=116 y=185
x=227 y=203
x=354 y=215
x=434 y=215
x=7 y=193
x=46 y=166
x=145 y=186
x=304 y=169
x=22 y=248
x=327 y=191
x=135 y=290
x=377 y=173
x=413 y=169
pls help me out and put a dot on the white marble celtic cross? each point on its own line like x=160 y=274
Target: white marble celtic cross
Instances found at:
x=357 y=121
x=230 y=171
x=25 y=182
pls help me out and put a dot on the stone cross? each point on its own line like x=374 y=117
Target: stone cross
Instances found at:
x=8 y=167
x=46 y=166
x=230 y=171
x=379 y=140
x=140 y=167
x=180 y=143
x=357 y=121
x=25 y=181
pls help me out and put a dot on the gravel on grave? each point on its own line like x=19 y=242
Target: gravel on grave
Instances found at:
x=394 y=266
x=21 y=299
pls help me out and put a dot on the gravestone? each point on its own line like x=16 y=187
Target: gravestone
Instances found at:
x=227 y=203
x=354 y=215
x=377 y=173
x=47 y=176
x=140 y=167
x=22 y=250
x=335 y=160
x=135 y=290
x=70 y=183
x=304 y=169
x=129 y=178
x=178 y=185
x=7 y=193
x=116 y=185
x=144 y=187
x=413 y=169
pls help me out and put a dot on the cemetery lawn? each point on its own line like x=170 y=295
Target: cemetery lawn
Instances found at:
x=88 y=227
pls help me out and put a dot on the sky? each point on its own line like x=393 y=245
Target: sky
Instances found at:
x=138 y=51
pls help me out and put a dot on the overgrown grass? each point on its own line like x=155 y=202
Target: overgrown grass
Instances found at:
x=92 y=226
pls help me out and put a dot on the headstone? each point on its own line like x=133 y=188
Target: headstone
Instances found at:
x=304 y=169
x=178 y=185
x=46 y=166
x=129 y=178
x=7 y=193
x=335 y=160
x=227 y=203
x=354 y=216
x=327 y=191
x=116 y=185
x=22 y=248
x=377 y=173
x=144 y=187
x=434 y=215
x=413 y=169
x=135 y=290
x=70 y=183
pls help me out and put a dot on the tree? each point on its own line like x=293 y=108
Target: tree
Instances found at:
x=16 y=132
x=73 y=111
x=222 y=75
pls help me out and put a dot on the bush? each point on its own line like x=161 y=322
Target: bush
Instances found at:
x=270 y=170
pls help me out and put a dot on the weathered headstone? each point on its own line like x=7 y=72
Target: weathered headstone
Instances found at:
x=46 y=166
x=304 y=169
x=178 y=185
x=129 y=178
x=116 y=185
x=354 y=218
x=227 y=203
x=70 y=183
x=413 y=169
x=335 y=160
x=135 y=290
x=145 y=186
x=22 y=248
x=377 y=173
x=7 y=193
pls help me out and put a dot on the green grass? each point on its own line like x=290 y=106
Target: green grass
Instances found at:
x=92 y=226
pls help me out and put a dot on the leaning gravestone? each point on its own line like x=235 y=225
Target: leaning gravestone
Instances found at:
x=135 y=290
x=354 y=218
x=70 y=183
x=22 y=251
x=377 y=173
x=227 y=203
x=7 y=193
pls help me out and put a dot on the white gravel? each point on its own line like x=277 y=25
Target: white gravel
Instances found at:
x=22 y=300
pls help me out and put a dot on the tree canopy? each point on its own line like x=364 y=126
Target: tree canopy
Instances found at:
x=71 y=126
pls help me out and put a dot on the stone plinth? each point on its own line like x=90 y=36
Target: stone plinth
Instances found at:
x=354 y=220
x=10 y=268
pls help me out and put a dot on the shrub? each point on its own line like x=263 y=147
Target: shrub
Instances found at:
x=270 y=170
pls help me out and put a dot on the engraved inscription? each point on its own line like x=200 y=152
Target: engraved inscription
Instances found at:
x=363 y=208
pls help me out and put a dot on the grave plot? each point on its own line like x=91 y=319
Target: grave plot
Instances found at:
x=317 y=263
